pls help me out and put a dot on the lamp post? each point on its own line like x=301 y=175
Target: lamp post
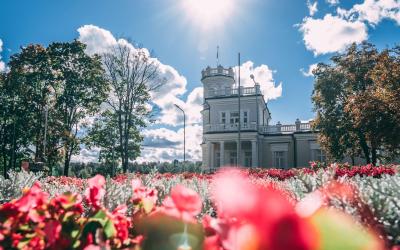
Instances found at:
x=256 y=87
x=184 y=132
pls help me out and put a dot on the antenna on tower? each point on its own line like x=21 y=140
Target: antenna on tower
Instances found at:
x=217 y=55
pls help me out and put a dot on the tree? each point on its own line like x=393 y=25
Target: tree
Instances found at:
x=5 y=124
x=104 y=134
x=352 y=117
x=80 y=90
x=132 y=74
x=29 y=83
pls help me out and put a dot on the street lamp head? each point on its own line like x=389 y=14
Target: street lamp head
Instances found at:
x=253 y=78
x=177 y=106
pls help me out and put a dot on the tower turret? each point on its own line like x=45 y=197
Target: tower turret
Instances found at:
x=217 y=81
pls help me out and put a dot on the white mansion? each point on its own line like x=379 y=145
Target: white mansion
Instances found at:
x=261 y=144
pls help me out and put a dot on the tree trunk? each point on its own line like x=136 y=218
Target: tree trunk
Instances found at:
x=4 y=162
x=121 y=148
x=373 y=156
x=66 y=163
x=67 y=159
x=364 y=147
x=127 y=145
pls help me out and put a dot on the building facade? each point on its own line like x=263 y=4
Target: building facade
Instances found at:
x=261 y=143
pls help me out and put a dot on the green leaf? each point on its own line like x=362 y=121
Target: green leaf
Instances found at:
x=22 y=243
x=100 y=215
x=109 y=229
x=339 y=231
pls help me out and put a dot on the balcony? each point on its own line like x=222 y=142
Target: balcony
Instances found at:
x=244 y=91
x=270 y=129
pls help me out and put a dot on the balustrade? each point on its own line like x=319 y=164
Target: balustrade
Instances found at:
x=270 y=129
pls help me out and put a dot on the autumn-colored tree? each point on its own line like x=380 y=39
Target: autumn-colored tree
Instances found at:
x=355 y=99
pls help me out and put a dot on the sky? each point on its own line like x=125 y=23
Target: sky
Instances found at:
x=280 y=42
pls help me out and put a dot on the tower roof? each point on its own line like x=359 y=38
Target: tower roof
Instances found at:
x=218 y=71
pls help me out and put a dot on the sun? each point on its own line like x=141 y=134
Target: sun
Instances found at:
x=208 y=14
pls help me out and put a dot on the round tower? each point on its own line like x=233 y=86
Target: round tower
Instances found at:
x=217 y=81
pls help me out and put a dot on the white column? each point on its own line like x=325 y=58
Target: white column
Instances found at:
x=209 y=154
x=212 y=164
x=221 y=153
x=254 y=153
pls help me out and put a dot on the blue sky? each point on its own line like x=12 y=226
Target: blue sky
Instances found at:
x=279 y=38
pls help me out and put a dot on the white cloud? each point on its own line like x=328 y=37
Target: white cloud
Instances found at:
x=373 y=11
x=86 y=155
x=331 y=34
x=333 y=2
x=309 y=72
x=2 y=64
x=335 y=33
x=162 y=144
x=97 y=40
x=312 y=7
x=264 y=76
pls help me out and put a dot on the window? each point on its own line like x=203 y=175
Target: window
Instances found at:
x=318 y=155
x=233 y=158
x=245 y=119
x=223 y=117
x=280 y=159
x=234 y=118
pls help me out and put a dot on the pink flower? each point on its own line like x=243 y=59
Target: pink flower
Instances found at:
x=92 y=247
x=257 y=217
x=142 y=193
x=95 y=192
x=184 y=203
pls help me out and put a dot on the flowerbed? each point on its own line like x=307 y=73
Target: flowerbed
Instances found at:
x=334 y=208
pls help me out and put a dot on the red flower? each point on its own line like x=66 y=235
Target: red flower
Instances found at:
x=32 y=198
x=121 y=223
x=52 y=230
x=95 y=191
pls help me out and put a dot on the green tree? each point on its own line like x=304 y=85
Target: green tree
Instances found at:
x=104 y=135
x=80 y=90
x=132 y=74
x=351 y=116
x=30 y=81
x=6 y=124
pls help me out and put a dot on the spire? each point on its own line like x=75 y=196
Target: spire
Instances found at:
x=217 y=55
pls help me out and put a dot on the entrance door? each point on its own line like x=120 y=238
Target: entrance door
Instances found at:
x=247 y=159
x=233 y=158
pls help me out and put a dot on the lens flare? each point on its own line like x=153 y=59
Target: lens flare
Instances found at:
x=208 y=14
